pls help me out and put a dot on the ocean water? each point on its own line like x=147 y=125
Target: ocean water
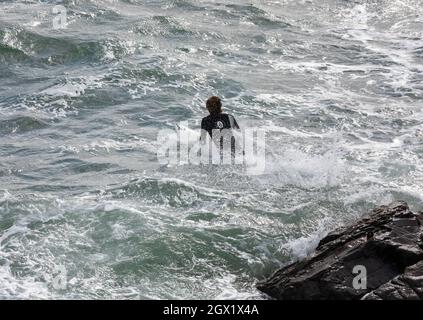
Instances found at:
x=88 y=212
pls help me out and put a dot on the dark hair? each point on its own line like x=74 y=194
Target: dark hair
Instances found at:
x=214 y=105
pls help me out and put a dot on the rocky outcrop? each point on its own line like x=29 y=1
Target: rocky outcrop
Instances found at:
x=379 y=257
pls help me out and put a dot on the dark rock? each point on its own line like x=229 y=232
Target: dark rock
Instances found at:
x=408 y=285
x=387 y=244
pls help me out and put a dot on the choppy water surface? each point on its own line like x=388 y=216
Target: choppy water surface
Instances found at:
x=337 y=85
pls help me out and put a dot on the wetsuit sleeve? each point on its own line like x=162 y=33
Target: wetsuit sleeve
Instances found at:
x=235 y=124
x=203 y=130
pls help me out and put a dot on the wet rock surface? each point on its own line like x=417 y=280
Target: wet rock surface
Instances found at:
x=379 y=257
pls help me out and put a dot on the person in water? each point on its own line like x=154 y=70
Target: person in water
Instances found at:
x=218 y=123
x=217 y=119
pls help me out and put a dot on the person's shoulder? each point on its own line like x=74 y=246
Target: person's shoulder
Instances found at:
x=227 y=115
x=205 y=121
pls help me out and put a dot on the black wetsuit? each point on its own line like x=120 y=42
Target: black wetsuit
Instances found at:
x=220 y=122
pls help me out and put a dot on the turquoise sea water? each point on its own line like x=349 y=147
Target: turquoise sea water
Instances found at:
x=87 y=211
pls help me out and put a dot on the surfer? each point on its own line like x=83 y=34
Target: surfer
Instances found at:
x=217 y=124
x=217 y=119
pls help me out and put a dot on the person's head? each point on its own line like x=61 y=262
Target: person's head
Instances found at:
x=214 y=105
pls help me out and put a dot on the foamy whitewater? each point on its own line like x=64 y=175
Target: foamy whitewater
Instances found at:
x=88 y=212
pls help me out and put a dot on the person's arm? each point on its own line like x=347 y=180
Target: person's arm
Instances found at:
x=234 y=124
x=203 y=131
